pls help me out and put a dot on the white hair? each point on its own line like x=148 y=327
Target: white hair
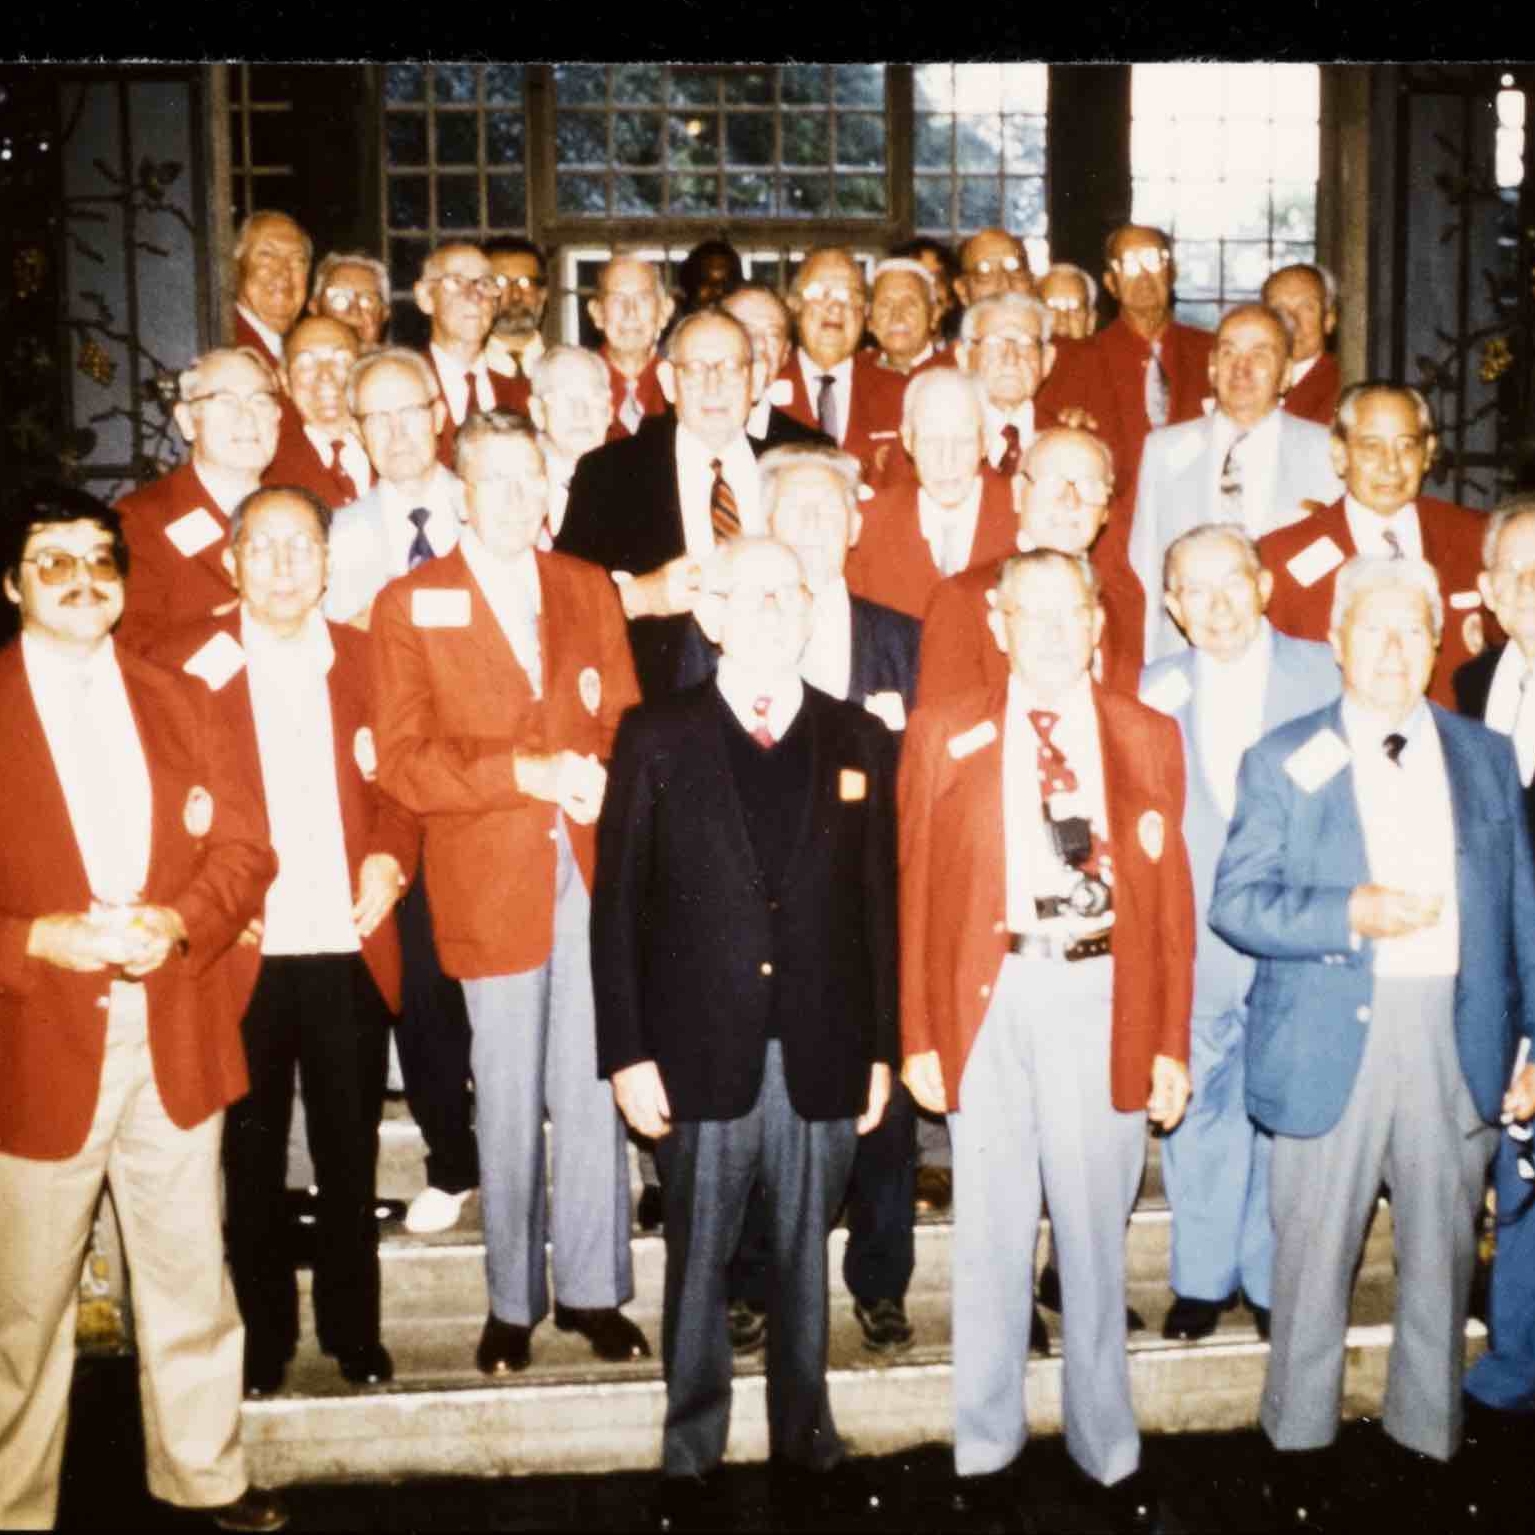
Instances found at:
x=778 y=463
x=333 y=259
x=1016 y=303
x=405 y=357
x=912 y=268
x=1375 y=572
x=1015 y=565
x=189 y=380
x=1348 y=405
x=1316 y=269
x=935 y=380
x=1509 y=511
x=1207 y=533
x=634 y=260
x=561 y=358
x=249 y=222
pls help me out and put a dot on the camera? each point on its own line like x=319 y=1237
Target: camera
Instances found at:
x=1072 y=839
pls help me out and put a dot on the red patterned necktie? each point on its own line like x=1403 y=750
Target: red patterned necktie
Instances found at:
x=724 y=515
x=1056 y=777
x=1008 y=463
x=338 y=469
x=761 y=731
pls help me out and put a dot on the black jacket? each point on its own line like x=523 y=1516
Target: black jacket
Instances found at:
x=1472 y=683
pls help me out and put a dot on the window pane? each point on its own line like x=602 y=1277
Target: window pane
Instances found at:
x=637 y=83
x=1249 y=91
x=503 y=83
x=1244 y=267
x=934 y=87
x=1154 y=203
x=277 y=139
x=1197 y=145
x=755 y=88
x=454 y=82
x=636 y=138
x=934 y=142
x=1297 y=91
x=405 y=82
x=458 y=202
x=1295 y=211
x=1025 y=205
x=581 y=194
x=405 y=138
x=861 y=196
x=405 y=261
x=805 y=139
x=1205 y=315
x=507 y=199
x=1199 y=266
x=694 y=194
x=1026 y=87
x=860 y=139
x=980 y=203
x=407 y=202
x=1023 y=143
x=803 y=83
x=635 y=195
x=749 y=195
x=1199 y=209
x=693 y=141
x=749 y=138
x=978 y=143
x=457 y=138
x=504 y=138
x=1247 y=210
x=978 y=87
x=693 y=90
x=580 y=84
x=806 y=196
x=860 y=85
x=580 y=138
x=932 y=202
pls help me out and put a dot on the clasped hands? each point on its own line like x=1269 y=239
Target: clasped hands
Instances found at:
x=135 y=939
x=564 y=778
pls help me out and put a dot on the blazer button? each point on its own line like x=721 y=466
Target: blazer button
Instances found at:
x=766 y=967
x=1362 y=1014
x=999 y=927
x=554 y=834
x=104 y=1001
x=773 y=905
x=986 y=991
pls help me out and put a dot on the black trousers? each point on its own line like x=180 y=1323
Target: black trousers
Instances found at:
x=433 y=1036
x=321 y=1014
x=880 y=1253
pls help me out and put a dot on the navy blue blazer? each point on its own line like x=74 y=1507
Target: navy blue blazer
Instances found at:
x=1472 y=683
x=1281 y=893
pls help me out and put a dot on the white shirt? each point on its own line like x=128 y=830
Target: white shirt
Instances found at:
x=1259 y=469
x=1021 y=416
x=451 y=373
x=1368 y=529
x=695 y=485
x=515 y=598
x=94 y=741
x=309 y=904
x=950 y=529
x=1230 y=712
x=1033 y=869
x=841 y=389
x=444 y=499
x=354 y=457
x=227 y=491
x=1503 y=711
x=1299 y=369
x=559 y=471
x=270 y=338
x=741 y=693
x=827 y=662
x=498 y=356
x=1409 y=833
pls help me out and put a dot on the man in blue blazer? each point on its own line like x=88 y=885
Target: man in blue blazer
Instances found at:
x=1240 y=680
x=1377 y=868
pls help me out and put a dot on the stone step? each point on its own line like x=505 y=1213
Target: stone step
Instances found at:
x=570 y=1413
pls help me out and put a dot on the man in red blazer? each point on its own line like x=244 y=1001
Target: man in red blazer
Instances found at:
x=838 y=389
x=1064 y=495
x=135 y=855
x=956 y=513
x=272 y=255
x=1144 y=370
x=177 y=527
x=1004 y=342
x=631 y=308
x=1383 y=445
x=501 y=675
x=318 y=445
x=1047 y=948
x=319 y=977
x=1308 y=296
x=516 y=342
x=903 y=317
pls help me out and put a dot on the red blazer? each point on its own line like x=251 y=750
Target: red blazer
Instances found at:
x=371 y=822
x=959 y=653
x=647 y=390
x=892 y=564
x=507 y=395
x=246 y=334
x=297 y=462
x=53 y=1021
x=1452 y=544
x=166 y=587
x=1315 y=398
x=873 y=433
x=453 y=708
x=953 y=885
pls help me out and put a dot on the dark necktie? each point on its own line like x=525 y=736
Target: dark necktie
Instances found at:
x=724 y=516
x=420 y=550
x=338 y=469
x=826 y=407
x=1233 y=505
x=1008 y=463
x=1393 y=746
x=761 y=731
x=471 y=399
x=1159 y=400
x=1394 y=545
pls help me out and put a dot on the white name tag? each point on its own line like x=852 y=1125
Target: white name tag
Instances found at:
x=972 y=740
x=1321 y=758
x=440 y=608
x=1315 y=561
x=195 y=532
x=1460 y=601
x=781 y=392
x=887 y=707
x=882 y=436
x=217 y=661
x=1169 y=692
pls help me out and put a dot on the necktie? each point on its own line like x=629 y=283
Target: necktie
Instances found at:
x=471 y=399
x=761 y=731
x=1159 y=401
x=629 y=413
x=1393 y=746
x=1012 y=452
x=1233 y=505
x=724 y=516
x=826 y=408
x=338 y=469
x=1394 y=545
x=1056 y=777
x=420 y=550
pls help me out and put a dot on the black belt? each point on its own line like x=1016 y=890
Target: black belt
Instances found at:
x=1057 y=946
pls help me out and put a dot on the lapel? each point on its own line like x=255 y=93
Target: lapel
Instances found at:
x=485 y=635
x=1477 y=685
x=1184 y=660
x=663 y=448
x=1337 y=801
x=198 y=495
x=1463 y=770
x=820 y=786
x=863 y=637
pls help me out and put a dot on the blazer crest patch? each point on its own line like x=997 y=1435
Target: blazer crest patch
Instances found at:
x=365 y=753
x=197 y=813
x=1152 y=832
x=589 y=687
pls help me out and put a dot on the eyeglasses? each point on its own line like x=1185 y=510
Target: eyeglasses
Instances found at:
x=348 y=298
x=322 y=362
x=55 y=567
x=1065 y=305
x=407 y=417
x=1056 y=487
x=1133 y=263
x=456 y=285
x=1037 y=619
x=1001 y=348
x=1376 y=450
x=262 y=403
x=522 y=284
x=828 y=293
x=992 y=265
x=697 y=375
x=786 y=599
x=300 y=549
x=1235 y=588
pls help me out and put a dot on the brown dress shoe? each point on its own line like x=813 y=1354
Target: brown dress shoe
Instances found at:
x=935 y=1190
x=504 y=1347
x=611 y=1334
x=255 y=1509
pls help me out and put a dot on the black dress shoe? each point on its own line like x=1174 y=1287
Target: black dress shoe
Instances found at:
x=611 y=1334
x=837 y=1496
x=504 y=1347
x=1048 y=1294
x=648 y=1213
x=684 y=1503
x=1132 y=1506
x=255 y=1509
x=1039 y=1337
x=748 y=1327
x=387 y=1210
x=369 y=1365
x=263 y=1376
x=1298 y=1491
x=1192 y=1318
x=886 y=1329
x=989 y=1502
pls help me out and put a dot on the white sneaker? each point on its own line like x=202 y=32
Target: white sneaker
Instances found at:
x=434 y=1210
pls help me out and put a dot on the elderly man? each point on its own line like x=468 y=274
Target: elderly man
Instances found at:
x=515 y=343
x=768 y=322
x=1383 y=444
x=318 y=446
x=746 y=995
x=353 y=287
x=992 y=262
x=837 y=388
x=319 y=975
x=1040 y=834
x=1004 y=342
x=135 y=854
x=649 y=509
x=631 y=307
x=1062 y=496
x=955 y=513
x=272 y=255
x=1308 y=297
x=1493 y=688
x=501 y=676
x=572 y=409
x=903 y=315
x=1248 y=462
x=942 y=266
x=228 y=408
x=1071 y=296
x=460 y=292
x=1238 y=681
x=1378 y=871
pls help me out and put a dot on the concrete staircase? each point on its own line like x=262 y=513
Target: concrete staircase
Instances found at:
x=570 y=1413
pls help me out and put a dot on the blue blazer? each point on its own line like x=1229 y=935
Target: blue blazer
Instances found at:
x=1302 y=676
x=1281 y=894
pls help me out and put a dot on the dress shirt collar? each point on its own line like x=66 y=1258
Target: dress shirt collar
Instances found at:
x=827 y=661
x=311 y=650
x=694 y=452
x=55 y=668
x=1021 y=416
x=842 y=374
x=1366 y=728
x=443 y=496
x=270 y=339
x=1076 y=703
x=1227 y=431
x=515 y=580
x=503 y=360
x=757 y=421
x=227 y=490
x=740 y=690
x=323 y=440
x=1252 y=663
x=933 y=520
x=1368 y=529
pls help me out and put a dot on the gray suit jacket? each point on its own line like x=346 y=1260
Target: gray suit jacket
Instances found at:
x=1177 y=490
x=360 y=561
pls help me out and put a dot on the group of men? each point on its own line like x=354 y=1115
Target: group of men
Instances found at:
x=754 y=740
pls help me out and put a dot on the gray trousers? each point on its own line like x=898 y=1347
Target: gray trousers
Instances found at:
x=708 y=1168
x=1035 y=1119
x=1409 y=1121
x=534 y=1049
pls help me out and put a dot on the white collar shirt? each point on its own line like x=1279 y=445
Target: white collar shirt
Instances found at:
x=512 y=591
x=695 y=487
x=453 y=376
x=950 y=531
x=354 y=457
x=1504 y=712
x=1259 y=469
x=1229 y=714
x=1299 y=369
x=227 y=493
x=500 y=358
x=1021 y=416
x=269 y=337
x=444 y=500
x=827 y=662
x=559 y=471
x=1368 y=529
x=741 y=693
x=841 y=389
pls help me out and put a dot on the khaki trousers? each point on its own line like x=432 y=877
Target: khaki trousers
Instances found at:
x=165 y=1182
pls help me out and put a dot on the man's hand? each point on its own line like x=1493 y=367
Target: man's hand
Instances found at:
x=1078 y=419
x=379 y=885
x=1377 y=911
x=251 y=937
x=642 y=1100
x=1169 y=1092
x=153 y=934
x=924 y=1079
x=674 y=588
x=1519 y=1100
x=73 y=942
x=879 y=1097
x=565 y=778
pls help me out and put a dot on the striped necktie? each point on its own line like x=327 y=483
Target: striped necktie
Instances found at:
x=826 y=407
x=1233 y=502
x=724 y=515
x=1159 y=396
